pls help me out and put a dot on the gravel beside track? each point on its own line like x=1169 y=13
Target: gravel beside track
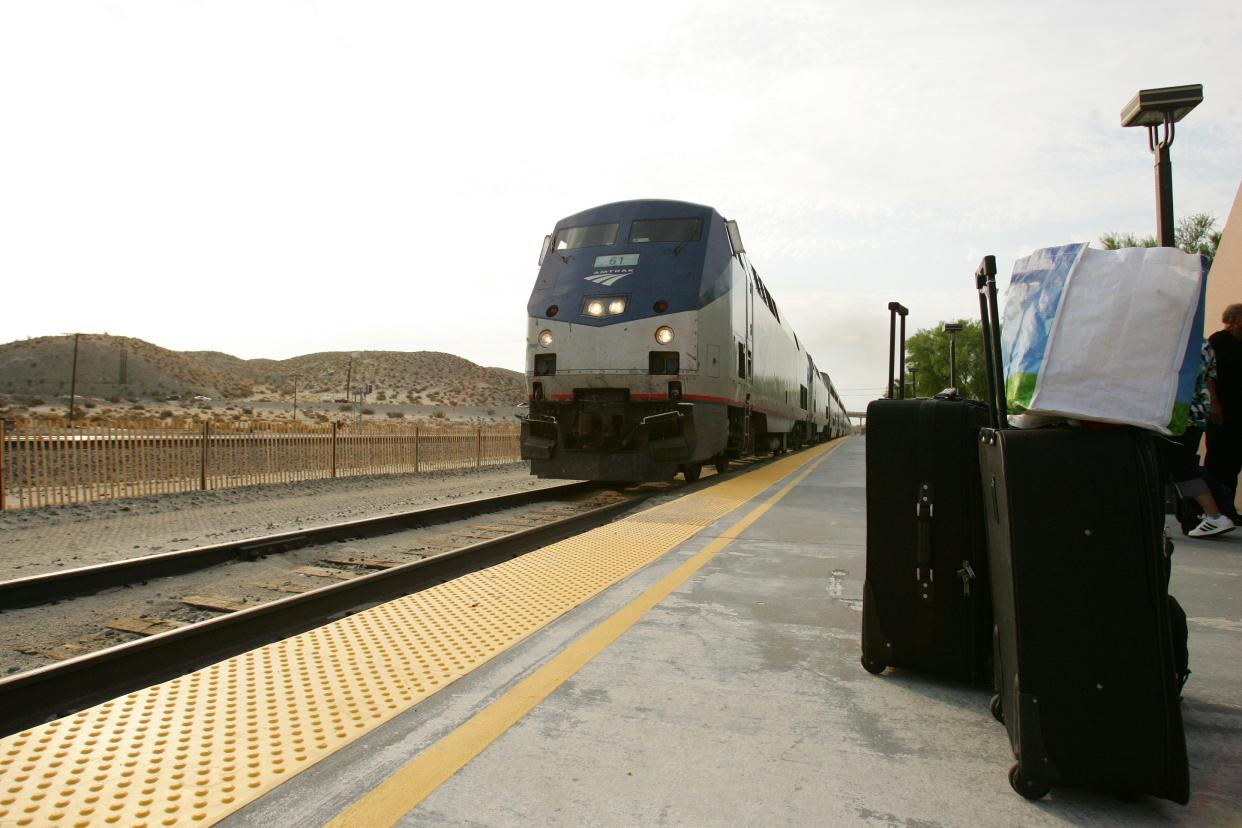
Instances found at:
x=33 y=541
x=48 y=539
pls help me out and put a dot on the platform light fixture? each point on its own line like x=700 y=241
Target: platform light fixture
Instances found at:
x=1158 y=110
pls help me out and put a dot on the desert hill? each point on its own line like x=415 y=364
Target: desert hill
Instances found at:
x=123 y=367
x=109 y=366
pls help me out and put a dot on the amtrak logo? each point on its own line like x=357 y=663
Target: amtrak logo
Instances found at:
x=609 y=276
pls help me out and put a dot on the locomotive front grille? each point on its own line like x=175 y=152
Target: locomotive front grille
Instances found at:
x=602 y=396
x=605 y=420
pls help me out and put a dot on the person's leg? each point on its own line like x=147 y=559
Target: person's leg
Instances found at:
x=1231 y=464
x=1179 y=455
x=1224 y=461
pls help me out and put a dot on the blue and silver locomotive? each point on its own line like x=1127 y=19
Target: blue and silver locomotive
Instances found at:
x=653 y=347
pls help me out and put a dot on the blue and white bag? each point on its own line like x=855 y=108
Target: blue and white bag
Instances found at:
x=1105 y=335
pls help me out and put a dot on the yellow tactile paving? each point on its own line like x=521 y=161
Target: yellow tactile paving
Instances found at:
x=194 y=749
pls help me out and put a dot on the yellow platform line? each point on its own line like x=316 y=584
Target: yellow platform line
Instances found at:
x=194 y=749
x=402 y=791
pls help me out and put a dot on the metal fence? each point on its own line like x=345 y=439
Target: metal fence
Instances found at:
x=43 y=465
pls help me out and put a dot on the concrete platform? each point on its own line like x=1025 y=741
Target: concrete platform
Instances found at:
x=738 y=699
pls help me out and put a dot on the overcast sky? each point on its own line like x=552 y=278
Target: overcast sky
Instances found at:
x=272 y=179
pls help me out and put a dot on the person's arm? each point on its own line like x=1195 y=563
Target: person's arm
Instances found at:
x=1216 y=414
x=1207 y=357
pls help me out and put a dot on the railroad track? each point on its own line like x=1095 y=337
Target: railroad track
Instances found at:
x=49 y=587
x=76 y=683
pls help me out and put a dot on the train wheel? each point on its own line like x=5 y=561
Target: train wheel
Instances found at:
x=691 y=471
x=721 y=462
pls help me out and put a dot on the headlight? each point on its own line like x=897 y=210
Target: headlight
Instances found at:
x=595 y=308
x=664 y=334
x=545 y=338
x=616 y=306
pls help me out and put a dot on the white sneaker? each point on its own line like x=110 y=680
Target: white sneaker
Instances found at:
x=1210 y=526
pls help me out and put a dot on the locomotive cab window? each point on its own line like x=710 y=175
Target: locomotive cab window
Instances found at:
x=666 y=230
x=591 y=235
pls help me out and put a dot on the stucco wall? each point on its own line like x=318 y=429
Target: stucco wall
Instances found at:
x=1225 y=277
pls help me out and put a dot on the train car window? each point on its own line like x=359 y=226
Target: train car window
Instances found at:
x=741 y=360
x=802 y=398
x=666 y=230
x=591 y=235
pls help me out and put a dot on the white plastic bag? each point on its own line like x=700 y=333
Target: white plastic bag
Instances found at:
x=1103 y=334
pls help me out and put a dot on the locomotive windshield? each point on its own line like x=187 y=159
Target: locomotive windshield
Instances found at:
x=666 y=230
x=593 y=235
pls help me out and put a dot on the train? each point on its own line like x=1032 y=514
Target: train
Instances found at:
x=654 y=348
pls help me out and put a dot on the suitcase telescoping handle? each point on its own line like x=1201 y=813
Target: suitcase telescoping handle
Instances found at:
x=989 y=319
x=896 y=309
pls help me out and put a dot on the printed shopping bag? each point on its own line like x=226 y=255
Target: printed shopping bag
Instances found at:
x=1104 y=335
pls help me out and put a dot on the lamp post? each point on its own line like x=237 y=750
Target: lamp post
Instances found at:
x=914 y=382
x=1157 y=109
x=952 y=329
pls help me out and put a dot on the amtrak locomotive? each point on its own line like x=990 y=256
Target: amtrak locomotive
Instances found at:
x=654 y=347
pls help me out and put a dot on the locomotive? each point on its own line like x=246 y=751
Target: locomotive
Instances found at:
x=653 y=347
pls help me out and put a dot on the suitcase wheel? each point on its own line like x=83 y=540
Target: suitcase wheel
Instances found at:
x=872 y=666
x=994 y=707
x=1027 y=787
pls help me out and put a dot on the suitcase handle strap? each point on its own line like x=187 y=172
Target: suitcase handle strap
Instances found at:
x=924 y=511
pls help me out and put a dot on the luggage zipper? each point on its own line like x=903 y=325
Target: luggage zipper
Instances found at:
x=1151 y=470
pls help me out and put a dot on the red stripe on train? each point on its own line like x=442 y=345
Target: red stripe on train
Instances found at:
x=700 y=397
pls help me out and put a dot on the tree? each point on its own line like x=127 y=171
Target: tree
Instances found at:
x=1195 y=234
x=927 y=351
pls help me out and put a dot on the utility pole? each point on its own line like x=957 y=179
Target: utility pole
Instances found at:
x=73 y=382
x=295 y=396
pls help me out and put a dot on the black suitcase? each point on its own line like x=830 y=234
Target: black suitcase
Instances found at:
x=925 y=598
x=1086 y=666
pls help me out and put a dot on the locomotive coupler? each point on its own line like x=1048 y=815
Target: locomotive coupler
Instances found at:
x=670 y=434
x=538 y=439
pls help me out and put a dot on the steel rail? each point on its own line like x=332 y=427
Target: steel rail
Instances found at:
x=67 y=687
x=66 y=583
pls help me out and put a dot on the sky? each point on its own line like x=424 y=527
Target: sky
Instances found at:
x=276 y=178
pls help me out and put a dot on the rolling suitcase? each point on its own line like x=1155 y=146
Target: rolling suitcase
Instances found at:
x=1085 y=663
x=925 y=598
